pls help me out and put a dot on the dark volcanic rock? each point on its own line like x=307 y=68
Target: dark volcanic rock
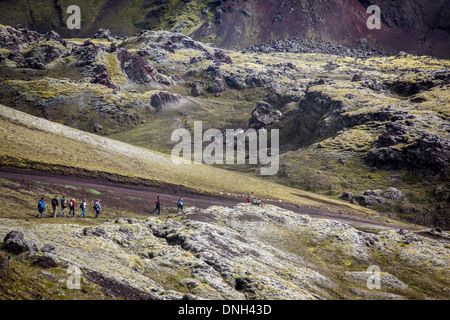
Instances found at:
x=33 y=63
x=104 y=34
x=245 y=284
x=197 y=89
x=392 y=136
x=394 y=194
x=16 y=56
x=234 y=82
x=218 y=86
x=14 y=39
x=51 y=53
x=15 y=243
x=86 y=53
x=97 y=232
x=45 y=262
x=136 y=68
x=163 y=99
x=220 y=56
x=102 y=77
x=417 y=83
x=428 y=156
x=369 y=200
x=357 y=77
x=347 y=196
x=55 y=37
x=264 y=115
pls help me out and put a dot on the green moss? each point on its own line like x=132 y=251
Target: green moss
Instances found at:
x=93 y=191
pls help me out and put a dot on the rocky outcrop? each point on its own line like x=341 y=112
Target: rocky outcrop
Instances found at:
x=371 y=198
x=101 y=76
x=139 y=70
x=103 y=34
x=221 y=57
x=417 y=82
x=17 y=38
x=246 y=252
x=263 y=116
x=218 y=81
x=297 y=45
x=48 y=52
x=197 y=89
x=44 y=262
x=96 y=232
x=33 y=63
x=428 y=156
x=86 y=53
x=162 y=99
x=15 y=243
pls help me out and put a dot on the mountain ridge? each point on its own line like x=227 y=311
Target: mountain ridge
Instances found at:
x=415 y=26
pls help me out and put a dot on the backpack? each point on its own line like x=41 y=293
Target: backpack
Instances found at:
x=157 y=201
x=81 y=205
x=54 y=202
x=96 y=206
x=65 y=204
x=40 y=205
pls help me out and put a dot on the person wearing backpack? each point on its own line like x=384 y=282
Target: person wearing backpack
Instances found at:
x=83 y=208
x=63 y=206
x=71 y=207
x=157 y=205
x=180 y=204
x=97 y=208
x=55 y=205
x=41 y=208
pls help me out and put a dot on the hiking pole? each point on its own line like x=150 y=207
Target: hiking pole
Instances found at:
x=9 y=260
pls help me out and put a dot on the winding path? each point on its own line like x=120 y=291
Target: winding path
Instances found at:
x=147 y=195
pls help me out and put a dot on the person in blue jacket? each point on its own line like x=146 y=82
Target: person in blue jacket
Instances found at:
x=180 y=204
x=63 y=206
x=41 y=208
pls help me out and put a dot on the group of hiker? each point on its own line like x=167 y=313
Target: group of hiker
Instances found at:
x=257 y=202
x=64 y=204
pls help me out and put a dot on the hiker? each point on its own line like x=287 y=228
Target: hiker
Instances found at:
x=157 y=205
x=71 y=207
x=63 y=206
x=83 y=208
x=55 y=205
x=97 y=208
x=247 y=200
x=41 y=208
x=180 y=204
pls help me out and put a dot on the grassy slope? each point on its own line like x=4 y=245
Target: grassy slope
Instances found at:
x=27 y=138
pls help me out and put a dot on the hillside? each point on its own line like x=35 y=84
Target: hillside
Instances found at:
x=373 y=129
x=211 y=252
x=364 y=150
x=416 y=26
x=35 y=144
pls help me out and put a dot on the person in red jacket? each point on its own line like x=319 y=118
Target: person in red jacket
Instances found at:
x=157 y=205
